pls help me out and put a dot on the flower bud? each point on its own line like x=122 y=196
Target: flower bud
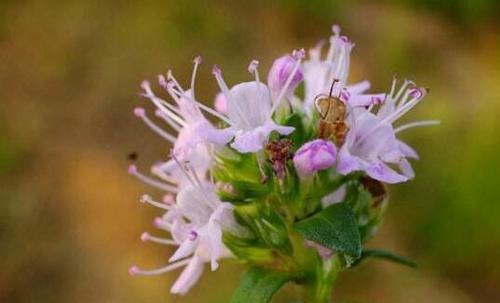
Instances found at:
x=314 y=156
x=279 y=73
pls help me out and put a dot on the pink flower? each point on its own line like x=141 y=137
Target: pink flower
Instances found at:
x=281 y=69
x=314 y=156
x=371 y=144
x=250 y=110
x=196 y=222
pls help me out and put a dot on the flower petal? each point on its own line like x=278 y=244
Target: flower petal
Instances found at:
x=380 y=171
x=188 y=278
x=254 y=140
x=407 y=150
x=249 y=105
x=215 y=135
x=346 y=162
x=406 y=168
x=185 y=249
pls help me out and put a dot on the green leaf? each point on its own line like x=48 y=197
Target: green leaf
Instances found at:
x=385 y=255
x=334 y=227
x=259 y=285
x=298 y=136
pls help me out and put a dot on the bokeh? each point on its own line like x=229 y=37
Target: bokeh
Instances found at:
x=69 y=79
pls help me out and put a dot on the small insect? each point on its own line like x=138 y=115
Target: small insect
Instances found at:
x=332 y=112
x=132 y=156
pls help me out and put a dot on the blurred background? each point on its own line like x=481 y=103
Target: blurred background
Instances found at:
x=70 y=71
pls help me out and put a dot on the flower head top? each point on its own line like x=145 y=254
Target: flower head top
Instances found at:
x=271 y=172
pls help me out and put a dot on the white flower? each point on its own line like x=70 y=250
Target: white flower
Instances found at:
x=250 y=110
x=319 y=75
x=196 y=222
x=369 y=145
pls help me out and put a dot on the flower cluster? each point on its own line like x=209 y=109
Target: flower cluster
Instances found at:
x=278 y=156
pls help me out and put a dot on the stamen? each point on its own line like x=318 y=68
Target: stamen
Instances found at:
x=225 y=90
x=162 y=81
x=253 y=69
x=173 y=81
x=147 y=199
x=197 y=61
x=416 y=124
x=336 y=30
x=160 y=114
x=402 y=89
x=416 y=93
x=145 y=237
x=402 y=110
x=395 y=81
x=158 y=171
x=398 y=113
x=141 y=113
x=161 y=224
x=134 y=270
x=167 y=108
x=179 y=94
x=132 y=170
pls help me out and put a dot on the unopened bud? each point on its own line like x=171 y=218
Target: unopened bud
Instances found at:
x=279 y=73
x=314 y=156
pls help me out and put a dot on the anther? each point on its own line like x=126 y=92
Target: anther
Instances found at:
x=162 y=81
x=336 y=29
x=145 y=236
x=158 y=222
x=146 y=86
x=198 y=60
x=416 y=93
x=216 y=70
x=139 y=112
x=132 y=169
x=299 y=54
x=133 y=270
x=252 y=67
x=145 y=198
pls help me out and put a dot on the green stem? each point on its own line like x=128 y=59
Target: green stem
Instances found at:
x=326 y=275
x=316 y=275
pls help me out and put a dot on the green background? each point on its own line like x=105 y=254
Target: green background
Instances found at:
x=69 y=79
